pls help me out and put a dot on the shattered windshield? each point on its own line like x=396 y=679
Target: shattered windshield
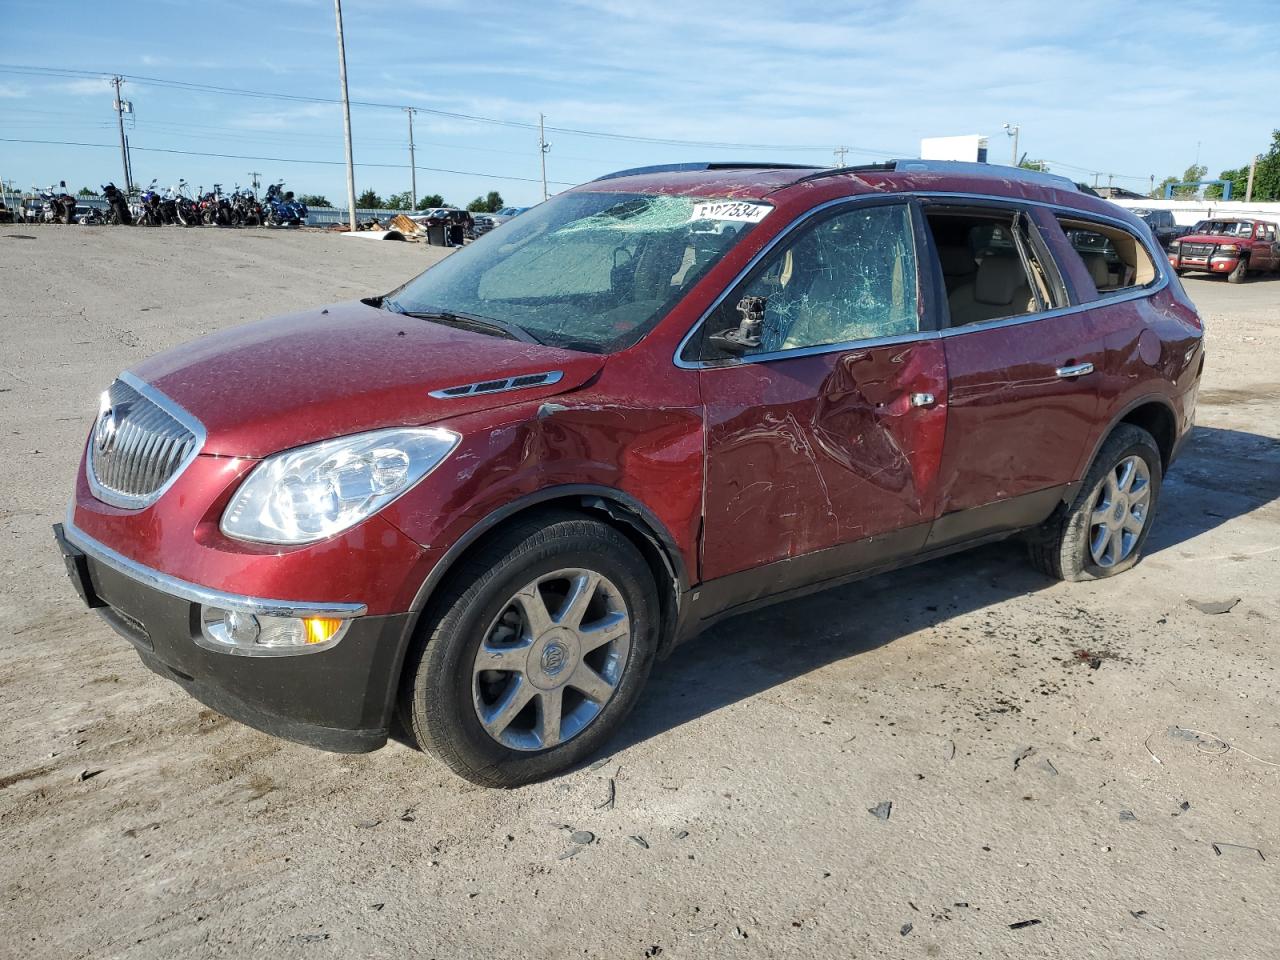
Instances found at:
x=585 y=271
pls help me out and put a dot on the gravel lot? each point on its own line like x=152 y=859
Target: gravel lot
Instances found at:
x=1083 y=792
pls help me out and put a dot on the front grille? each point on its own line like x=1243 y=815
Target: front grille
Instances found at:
x=140 y=442
x=1197 y=249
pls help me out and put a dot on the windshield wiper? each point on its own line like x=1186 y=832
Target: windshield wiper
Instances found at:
x=465 y=320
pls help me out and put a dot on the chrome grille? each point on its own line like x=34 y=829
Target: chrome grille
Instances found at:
x=140 y=442
x=1197 y=249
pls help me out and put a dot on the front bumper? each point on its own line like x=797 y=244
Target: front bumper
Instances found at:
x=1210 y=264
x=338 y=699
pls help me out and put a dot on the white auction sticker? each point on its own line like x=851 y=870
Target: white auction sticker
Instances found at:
x=737 y=210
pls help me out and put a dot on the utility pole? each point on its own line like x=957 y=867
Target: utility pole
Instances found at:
x=124 y=146
x=413 y=169
x=253 y=177
x=1013 y=129
x=1095 y=180
x=1110 y=178
x=346 y=117
x=1248 y=190
x=543 y=147
x=840 y=153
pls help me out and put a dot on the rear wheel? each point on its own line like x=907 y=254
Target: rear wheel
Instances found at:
x=1102 y=531
x=534 y=652
x=1240 y=273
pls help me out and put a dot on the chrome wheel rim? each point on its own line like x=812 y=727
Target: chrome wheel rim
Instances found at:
x=551 y=660
x=1120 y=512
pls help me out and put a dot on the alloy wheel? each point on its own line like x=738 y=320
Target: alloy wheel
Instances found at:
x=551 y=660
x=1120 y=512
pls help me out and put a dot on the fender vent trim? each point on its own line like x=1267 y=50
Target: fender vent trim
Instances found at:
x=499 y=386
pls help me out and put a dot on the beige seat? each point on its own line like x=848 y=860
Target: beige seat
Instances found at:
x=958 y=266
x=1098 y=270
x=999 y=289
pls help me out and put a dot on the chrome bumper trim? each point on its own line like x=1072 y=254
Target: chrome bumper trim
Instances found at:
x=205 y=595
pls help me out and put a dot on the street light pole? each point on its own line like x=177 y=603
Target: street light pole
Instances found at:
x=413 y=168
x=346 y=118
x=1013 y=129
x=1248 y=190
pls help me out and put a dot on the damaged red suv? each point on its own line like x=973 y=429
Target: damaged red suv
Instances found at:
x=488 y=500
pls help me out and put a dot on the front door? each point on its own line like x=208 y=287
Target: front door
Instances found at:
x=824 y=430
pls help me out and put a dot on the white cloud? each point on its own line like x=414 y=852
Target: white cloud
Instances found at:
x=9 y=91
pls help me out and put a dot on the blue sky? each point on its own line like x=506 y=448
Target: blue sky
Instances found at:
x=1108 y=87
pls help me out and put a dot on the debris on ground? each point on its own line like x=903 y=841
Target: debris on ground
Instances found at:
x=949 y=750
x=1022 y=924
x=1235 y=849
x=1128 y=815
x=1145 y=918
x=681 y=835
x=367 y=824
x=1213 y=607
x=1021 y=755
x=84 y=775
x=881 y=810
x=1047 y=766
x=610 y=796
x=583 y=837
x=639 y=840
x=1183 y=807
x=906 y=928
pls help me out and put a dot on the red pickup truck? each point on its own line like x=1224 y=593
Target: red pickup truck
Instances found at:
x=1231 y=246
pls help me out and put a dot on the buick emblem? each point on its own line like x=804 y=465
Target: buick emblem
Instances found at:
x=553 y=657
x=104 y=434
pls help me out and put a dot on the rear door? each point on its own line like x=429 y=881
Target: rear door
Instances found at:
x=823 y=436
x=1021 y=373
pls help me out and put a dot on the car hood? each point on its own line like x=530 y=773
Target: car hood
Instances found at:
x=1212 y=238
x=343 y=369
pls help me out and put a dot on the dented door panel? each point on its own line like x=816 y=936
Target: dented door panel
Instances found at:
x=812 y=452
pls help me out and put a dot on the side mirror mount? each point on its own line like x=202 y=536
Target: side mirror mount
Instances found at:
x=746 y=336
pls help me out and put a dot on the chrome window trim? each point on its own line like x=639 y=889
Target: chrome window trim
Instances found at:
x=1161 y=264
x=195 y=593
x=175 y=410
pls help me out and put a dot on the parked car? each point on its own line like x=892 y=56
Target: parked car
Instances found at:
x=458 y=224
x=482 y=223
x=490 y=499
x=1236 y=247
x=1163 y=226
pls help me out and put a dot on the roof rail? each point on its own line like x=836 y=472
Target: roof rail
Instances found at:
x=697 y=165
x=952 y=166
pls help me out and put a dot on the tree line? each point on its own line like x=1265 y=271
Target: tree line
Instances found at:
x=1266 y=179
x=491 y=202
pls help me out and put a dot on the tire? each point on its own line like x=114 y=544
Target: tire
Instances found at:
x=443 y=688
x=1240 y=273
x=1063 y=547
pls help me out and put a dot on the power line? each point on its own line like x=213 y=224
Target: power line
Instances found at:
x=448 y=114
x=328 y=163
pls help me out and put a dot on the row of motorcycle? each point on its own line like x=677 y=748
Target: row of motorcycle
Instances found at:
x=174 y=205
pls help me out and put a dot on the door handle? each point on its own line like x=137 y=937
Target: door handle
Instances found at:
x=1075 y=370
x=923 y=400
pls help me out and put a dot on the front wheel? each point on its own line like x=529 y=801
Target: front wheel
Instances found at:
x=534 y=653
x=1102 y=531
x=1240 y=273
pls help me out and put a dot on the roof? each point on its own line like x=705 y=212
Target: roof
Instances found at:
x=785 y=182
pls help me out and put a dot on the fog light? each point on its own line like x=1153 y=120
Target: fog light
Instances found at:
x=242 y=627
x=235 y=631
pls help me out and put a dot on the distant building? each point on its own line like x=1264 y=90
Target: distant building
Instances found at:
x=971 y=148
x=1119 y=193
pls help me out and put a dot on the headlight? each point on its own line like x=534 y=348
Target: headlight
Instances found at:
x=1228 y=248
x=308 y=494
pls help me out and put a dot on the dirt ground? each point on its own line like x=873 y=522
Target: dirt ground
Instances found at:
x=1075 y=770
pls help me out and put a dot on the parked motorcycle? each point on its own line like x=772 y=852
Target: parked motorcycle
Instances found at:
x=117 y=207
x=246 y=208
x=186 y=210
x=57 y=205
x=280 y=208
x=150 y=212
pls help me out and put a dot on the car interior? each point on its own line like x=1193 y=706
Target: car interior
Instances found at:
x=1114 y=257
x=983 y=267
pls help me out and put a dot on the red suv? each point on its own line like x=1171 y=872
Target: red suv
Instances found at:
x=489 y=499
